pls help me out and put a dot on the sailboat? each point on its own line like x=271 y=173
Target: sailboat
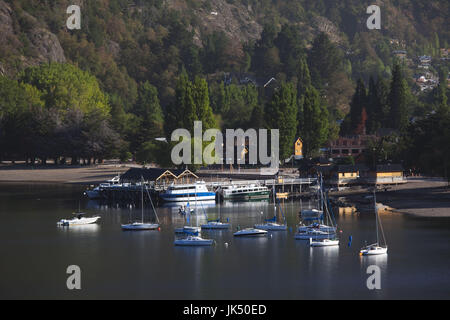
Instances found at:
x=138 y=226
x=188 y=212
x=271 y=224
x=331 y=239
x=214 y=224
x=317 y=226
x=375 y=248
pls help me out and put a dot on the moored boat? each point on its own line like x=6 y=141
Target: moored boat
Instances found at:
x=193 y=240
x=323 y=243
x=250 y=232
x=79 y=220
x=187 y=192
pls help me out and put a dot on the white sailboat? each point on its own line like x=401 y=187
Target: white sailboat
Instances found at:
x=323 y=243
x=139 y=226
x=375 y=248
x=317 y=226
x=271 y=224
x=215 y=224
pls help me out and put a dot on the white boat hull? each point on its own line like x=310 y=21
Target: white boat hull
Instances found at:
x=78 y=221
x=250 y=233
x=137 y=226
x=324 y=243
x=373 y=251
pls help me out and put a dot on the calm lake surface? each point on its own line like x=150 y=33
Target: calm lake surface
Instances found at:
x=35 y=253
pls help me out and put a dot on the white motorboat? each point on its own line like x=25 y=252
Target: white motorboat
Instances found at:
x=323 y=243
x=250 y=232
x=376 y=248
x=313 y=234
x=140 y=226
x=79 y=220
x=216 y=224
x=193 y=241
x=95 y=193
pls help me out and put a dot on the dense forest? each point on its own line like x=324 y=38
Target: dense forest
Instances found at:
x=139 y=69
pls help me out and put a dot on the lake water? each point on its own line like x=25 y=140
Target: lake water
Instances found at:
x=35 y=253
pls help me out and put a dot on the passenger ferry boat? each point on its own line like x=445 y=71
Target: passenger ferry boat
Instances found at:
x=245 y=192
x=188 y=192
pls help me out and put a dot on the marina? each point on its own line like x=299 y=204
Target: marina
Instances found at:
x=160 y=269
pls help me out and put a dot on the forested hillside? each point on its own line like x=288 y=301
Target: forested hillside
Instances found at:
x=150 y=66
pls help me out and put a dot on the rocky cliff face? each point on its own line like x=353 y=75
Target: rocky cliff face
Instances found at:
x=234 y=19
x=25 y=42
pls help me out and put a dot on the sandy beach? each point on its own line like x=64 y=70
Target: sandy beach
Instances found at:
x=61 y=174
x=423 y=197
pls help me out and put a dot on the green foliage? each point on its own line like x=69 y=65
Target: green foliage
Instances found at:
x=64 y=87
x=313 y=123
x=397 y=100
x=281 y=113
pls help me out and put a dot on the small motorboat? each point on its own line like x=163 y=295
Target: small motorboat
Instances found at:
x=193 y=240
x=136 y=226
x=248 y=232
x=271 y=226
x=323 y=243
x=215 y=224
x=373 y=250
x=79 y=220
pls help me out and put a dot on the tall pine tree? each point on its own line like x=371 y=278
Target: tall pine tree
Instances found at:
x=397 y=100
x=312 y=121
x=281 y=113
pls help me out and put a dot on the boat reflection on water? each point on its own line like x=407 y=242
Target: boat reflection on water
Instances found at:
x=82 y=229
x=379 y=260
x=176 y=205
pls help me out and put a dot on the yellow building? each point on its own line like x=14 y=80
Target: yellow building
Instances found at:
x=385 y=174
x=298 y=149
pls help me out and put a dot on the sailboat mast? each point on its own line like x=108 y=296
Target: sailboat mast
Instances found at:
x=142 y=198
x=376 y=214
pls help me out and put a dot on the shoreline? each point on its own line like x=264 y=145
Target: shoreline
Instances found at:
x=420 y=196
